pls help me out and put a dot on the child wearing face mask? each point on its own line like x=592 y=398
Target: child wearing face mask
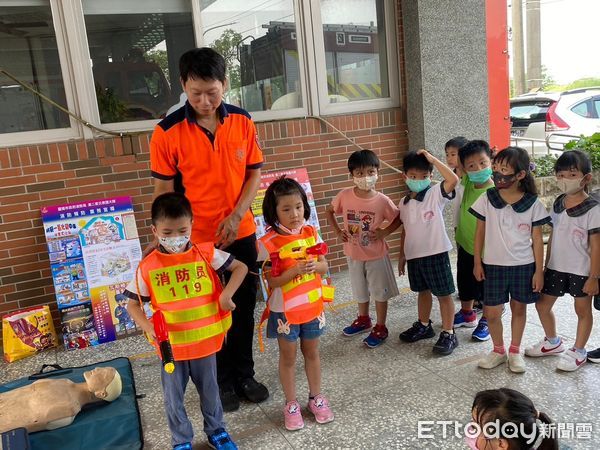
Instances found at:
x=572 y=260
x=475 y=159
x=509 y=223
x=297 y=294
x=364 y=210
x=425 y=246
x=180 y=279
x=505 y=419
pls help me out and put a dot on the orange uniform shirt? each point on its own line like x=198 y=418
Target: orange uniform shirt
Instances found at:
x=213 y=167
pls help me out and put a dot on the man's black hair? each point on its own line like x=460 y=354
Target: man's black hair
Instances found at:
x=170 y=205
x=456 y=142
x=362 y=158
x=473 y=148
x=414 y=161
x=573 y=159
x=280 y=187
x=204 y=63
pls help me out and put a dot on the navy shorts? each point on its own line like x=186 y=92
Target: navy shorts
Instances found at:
x=557 y=284
x=468 y=286
x=278 y=326
x=503 y=283
x=431 y=273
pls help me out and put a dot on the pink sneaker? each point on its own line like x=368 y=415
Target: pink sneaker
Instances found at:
x=293 y=416
x=319 y=406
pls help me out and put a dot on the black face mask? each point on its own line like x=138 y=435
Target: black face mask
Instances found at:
x=503 y=181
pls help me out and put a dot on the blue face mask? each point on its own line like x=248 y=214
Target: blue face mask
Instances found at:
x=480 y=176
x=418 y=185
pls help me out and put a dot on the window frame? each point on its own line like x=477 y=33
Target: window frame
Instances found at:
x=74 y=56
x=322 y=106
x=55 y=134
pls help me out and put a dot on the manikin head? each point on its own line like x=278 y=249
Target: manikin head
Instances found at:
x=104 y=383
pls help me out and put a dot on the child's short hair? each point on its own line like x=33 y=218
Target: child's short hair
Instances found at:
x=473 y=148
x=171 y=205
x=456 y=142
x=518 y=159
x=202 y=63
x=362 y=158
x=414 y=161
x=574 y=159
x=516 y=415
x=279 y=188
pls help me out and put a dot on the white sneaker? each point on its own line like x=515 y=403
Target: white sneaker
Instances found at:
x=516 y=363
x=544 y=348
x=491 y=360
x=570 y=361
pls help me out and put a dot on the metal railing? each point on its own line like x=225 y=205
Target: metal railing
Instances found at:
x=552 y=145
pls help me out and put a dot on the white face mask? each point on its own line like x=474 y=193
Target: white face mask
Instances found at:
x=174 y=244
x=365 y=183
x=290 y=230
x=569 y=185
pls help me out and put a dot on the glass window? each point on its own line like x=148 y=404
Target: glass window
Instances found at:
x=597 y=106
x=259 y=42
x=355 y=49
x=524 y=113
x=134 y=49
x=29 y=52
x=582 y=109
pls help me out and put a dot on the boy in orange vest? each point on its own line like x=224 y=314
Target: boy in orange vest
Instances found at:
x=180 y=279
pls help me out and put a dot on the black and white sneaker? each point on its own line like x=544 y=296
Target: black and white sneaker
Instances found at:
x=446 y=343
x=417 y=332
x=594 y=356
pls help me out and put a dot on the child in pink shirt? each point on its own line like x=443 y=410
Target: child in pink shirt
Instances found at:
x=364 y=210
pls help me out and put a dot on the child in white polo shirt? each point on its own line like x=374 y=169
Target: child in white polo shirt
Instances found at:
x=572 y=260
x=425 y=247
x=509 y=221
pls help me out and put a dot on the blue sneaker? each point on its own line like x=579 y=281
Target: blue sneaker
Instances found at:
x=220 y=440
x=462 y=319
x=378 y=334
x=482 y=332
x=186 y=446
x=360 y=325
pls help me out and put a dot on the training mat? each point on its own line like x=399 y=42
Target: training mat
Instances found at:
x=109 y=426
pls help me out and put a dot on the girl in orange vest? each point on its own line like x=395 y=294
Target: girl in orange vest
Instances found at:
x=180 y=279
x=297 y=295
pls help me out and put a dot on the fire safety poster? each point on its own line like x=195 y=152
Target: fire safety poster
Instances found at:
x=94 y=250
x=266 y=178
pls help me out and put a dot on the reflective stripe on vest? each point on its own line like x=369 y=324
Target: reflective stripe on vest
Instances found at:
x=186 y=289
x=302 y=296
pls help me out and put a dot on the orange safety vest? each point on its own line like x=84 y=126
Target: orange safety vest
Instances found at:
x=186 y=288
x=303 y=296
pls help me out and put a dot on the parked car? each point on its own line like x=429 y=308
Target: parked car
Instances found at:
x=528 y=120
x=575 y=113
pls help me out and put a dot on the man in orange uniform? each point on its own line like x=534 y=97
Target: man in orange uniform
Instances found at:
x=214 y=148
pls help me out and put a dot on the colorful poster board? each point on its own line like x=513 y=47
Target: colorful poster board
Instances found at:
x=301 y=176
x=94 y=250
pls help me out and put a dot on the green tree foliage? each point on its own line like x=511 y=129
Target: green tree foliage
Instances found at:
x=590 y=145
x=159 y=57
x=227 y=45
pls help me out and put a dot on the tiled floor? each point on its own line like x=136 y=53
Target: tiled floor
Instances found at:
x=378 y=395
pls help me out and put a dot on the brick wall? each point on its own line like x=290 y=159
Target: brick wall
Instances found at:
x=56 y=173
